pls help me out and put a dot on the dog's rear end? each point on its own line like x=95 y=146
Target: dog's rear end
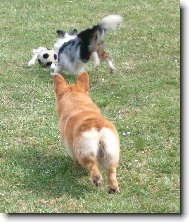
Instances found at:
x=101 y=149
x=98 y=146
x=93 y=38
x=91 y=140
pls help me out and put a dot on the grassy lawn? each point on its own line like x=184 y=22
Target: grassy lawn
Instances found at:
x=142 y=98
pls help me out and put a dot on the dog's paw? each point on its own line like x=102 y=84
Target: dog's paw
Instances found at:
x=97 y=66
x=113 y=189
x=77 y=164
x=97 y=180
x=112 y=70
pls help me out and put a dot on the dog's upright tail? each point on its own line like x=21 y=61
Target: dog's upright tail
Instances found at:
x=110 y=22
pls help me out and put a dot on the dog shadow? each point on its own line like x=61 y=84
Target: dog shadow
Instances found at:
x=53 y=175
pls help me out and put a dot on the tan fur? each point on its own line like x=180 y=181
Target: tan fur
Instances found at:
x=103 y=55
x=79 y=120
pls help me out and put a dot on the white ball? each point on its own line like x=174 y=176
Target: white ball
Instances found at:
x=47 y=57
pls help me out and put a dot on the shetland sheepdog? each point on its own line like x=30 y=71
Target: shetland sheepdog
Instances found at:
x=74 y=50
x=97 y=57
x=90 y=139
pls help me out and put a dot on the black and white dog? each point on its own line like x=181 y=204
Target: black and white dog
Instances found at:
x=75 y=49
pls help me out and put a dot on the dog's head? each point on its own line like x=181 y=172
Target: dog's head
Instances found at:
x=61 y=86
x=63 y=34
x=67 y=93
x=64 y=37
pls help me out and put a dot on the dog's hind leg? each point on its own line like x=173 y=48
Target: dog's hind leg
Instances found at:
x=95 y=59
x=90 y=163
x=109 y=156
x=110 y=65
x=103 y=55
x=86 y=147
x=112 y=180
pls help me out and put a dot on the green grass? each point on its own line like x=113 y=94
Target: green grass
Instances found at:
x=142 y=98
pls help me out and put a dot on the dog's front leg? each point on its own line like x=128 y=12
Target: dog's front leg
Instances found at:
x=57 y=69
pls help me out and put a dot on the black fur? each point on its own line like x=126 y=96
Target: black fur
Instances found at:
x=46 y=55
x=85 y=37
x=73 y=32
x=48 y=63
x=39 y=61
x=55 y=57
x=60 y=33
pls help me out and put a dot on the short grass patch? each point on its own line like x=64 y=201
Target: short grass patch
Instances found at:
x=142 y=98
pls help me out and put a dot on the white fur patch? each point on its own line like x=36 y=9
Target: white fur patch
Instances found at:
x=110 y=147
x=91 y=143
x=61 y=41
x=95 y=59
x=111 y=22
x=88 y=143
x=110 y=64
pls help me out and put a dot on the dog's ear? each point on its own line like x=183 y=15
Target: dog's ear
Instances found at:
x=73 y=32
x=59 y=83
x=83 y=81
x=60 y=33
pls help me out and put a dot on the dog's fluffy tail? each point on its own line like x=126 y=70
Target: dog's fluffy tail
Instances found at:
x=110 y=22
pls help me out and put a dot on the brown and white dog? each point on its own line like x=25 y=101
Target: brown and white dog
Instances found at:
x=90 y=139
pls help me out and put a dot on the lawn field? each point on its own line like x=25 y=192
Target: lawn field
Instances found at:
x=142 y=98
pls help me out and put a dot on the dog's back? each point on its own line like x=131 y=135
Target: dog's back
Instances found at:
x=91 y=140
